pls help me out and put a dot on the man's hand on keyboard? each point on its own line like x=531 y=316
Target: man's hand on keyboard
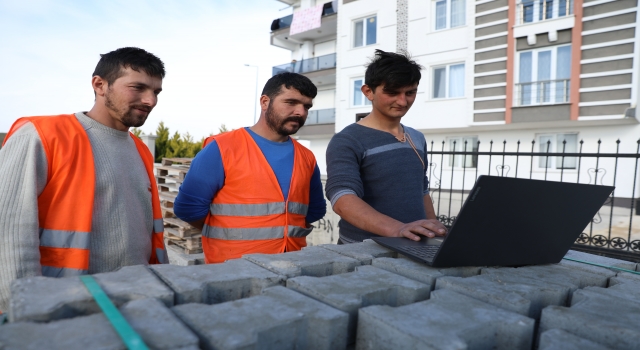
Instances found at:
x=429 y=228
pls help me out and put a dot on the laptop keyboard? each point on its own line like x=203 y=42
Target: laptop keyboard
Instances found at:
x=426 y=252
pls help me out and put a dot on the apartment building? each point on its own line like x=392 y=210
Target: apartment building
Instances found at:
x=556 y=72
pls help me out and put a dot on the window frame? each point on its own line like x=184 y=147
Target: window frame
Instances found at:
x=365 y=100
x=434 y=8
x=364 y=31
x=460 y=158
x=555 y=162
x=553 y=73
x=447 y=67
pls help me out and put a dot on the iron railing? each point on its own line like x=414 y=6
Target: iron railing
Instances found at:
x=321 y=116
x=542 y=92
x=612 y=232
x=529 y=11
x=307 y=65
x=285 y=22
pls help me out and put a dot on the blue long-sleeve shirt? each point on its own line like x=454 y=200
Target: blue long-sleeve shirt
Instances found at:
x=206 y=177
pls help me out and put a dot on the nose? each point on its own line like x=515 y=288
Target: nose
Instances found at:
x=300 y=110
x=150 y=99
x=401 y=100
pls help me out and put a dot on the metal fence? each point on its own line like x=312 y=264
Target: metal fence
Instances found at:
x=321 y=116
x=307 y=65
x=542 y=92
x=455 y=165
x=539 y=10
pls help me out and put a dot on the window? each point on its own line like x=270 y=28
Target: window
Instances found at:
x=560 y=143
x=540 y=10
x=448 y=81
x=543 y=76
x=358 y=97
x=364 y=31
x=449 y=13
x=459 y=144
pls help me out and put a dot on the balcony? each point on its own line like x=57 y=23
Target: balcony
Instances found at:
x=285 y=22
x=542 y=92
x=307 y=65
x=321 y=116
x=281 y=35
x=530 y=11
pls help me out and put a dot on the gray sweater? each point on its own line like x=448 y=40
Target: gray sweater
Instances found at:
x=122 y=212
x=385 y=173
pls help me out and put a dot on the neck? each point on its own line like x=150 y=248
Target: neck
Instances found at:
x=381 y=122
x=102 y=115
x=261 y=128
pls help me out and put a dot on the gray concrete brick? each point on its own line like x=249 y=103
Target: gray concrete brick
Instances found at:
x=364 y=251
x=447 y=321
x=43 y=299
x=177 y=257
x=313 y=261
x=602 y=260
x=158 y=327
x=629 y=292
x=368 y=285
x=557 y=339
x=623 y=277
x=588 y=268
x=599 y=318
x=279 y=318
x=519 y=294
x=553 y=274
x=216 y=283
x=421 y=272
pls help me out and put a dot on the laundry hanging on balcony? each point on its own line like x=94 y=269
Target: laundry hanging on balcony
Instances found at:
x=307 y=19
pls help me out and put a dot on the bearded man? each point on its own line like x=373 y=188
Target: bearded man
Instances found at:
x=255 y=189
x=78 y=190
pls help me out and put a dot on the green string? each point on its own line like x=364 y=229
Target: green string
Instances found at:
x=605 y=266
x=130 y=338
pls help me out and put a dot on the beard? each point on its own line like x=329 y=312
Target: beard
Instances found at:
x=278 y=123
x=128 y=115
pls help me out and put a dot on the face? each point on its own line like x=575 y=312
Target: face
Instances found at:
x=392 y=103
x=288 y=111
x=131 y=97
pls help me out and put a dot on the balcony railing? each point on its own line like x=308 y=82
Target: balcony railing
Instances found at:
x=285 y=22
x=539 y=10
x=307 y=65
x=542 y=92
x=321 y=116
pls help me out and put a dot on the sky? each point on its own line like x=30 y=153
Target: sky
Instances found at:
x=49 y=48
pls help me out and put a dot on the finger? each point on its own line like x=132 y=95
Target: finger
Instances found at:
x=434 y=226
x=410 y=235
x=421 y=230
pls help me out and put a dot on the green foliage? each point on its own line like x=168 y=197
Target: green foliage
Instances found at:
x=162 y=133
x=222 y=129
x=176 y=146
x=137 y=132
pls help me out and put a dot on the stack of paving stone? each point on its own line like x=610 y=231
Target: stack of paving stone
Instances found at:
x=180 y=237
x=336 y=297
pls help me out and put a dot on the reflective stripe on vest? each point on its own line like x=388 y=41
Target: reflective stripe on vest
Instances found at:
x=162 y=256
x=158 y=225
x=64 y=239
x=262 y=209
x=50 y=271
x=253 y=234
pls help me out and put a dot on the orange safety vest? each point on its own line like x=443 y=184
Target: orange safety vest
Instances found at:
x=65 y=206
x=249 y=214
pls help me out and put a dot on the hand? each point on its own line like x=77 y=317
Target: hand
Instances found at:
x=429 y=228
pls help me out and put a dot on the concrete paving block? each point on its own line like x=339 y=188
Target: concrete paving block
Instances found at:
x=178 y=257
x=448 y=320
x=368 y=285
x=629 y=292
x=588 y=268
x=602 y=260
x=623 y=277
x=313 y=261
x=421 y=272
x=555 y=274
x=216 y=283
x=599 y=318
x=158 y=327
x=557 y=339
x=43 y=299
x=365 y=251
x=517 y=294
x=279 y=318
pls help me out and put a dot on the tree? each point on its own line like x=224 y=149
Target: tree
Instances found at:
x=222 y=129
x=162 y=133
x=136 y=131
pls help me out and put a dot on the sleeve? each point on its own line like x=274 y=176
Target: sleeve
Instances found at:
x=317 y=203
x=23 y=176
x=204 y=179
x=344 y=154
x=426 y=170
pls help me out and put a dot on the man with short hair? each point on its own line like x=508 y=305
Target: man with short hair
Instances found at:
x=376 y=168
x=256 y=190
x=78 y=190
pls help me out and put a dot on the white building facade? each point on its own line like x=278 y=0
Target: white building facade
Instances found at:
x=556 y=72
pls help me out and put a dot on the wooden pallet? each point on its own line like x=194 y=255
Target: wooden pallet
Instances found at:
x=179 y=228
x=170 y=161
x=187 y=246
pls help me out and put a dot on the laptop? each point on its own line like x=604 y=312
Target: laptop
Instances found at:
x=509 y=222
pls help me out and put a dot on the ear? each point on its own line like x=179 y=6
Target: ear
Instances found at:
x=99 y=85
x=368 y=93
x=264 y=102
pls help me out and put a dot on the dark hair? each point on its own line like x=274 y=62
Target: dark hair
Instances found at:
x=393 y=70
x=273 y=87
x=111 y=65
